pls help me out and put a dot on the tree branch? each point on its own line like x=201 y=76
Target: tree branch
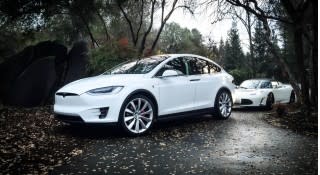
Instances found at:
x=129 y=23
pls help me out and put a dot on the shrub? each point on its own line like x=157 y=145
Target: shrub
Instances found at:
x=239 y=75
x=108 y=56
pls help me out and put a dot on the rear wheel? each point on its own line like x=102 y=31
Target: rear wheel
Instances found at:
x=270 y=101
x=292 y=97
x=223 y=104
x=137 y=115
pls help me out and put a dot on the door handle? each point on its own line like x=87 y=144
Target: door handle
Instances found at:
x=195 y=80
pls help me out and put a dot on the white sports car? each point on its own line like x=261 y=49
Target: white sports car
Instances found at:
x=263 y=92
x=135 y=94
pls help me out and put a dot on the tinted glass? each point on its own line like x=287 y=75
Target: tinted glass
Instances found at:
x=265 y=85
x=212 y=68
x=200 y=66
x=196 y=66
x=141 y=66
x=250 y=84
x=176 y=64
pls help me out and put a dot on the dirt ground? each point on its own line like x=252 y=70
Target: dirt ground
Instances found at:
x=32 y=141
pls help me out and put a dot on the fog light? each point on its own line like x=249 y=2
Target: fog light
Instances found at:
x=103 y=112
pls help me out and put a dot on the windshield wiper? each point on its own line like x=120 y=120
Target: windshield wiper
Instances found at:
x=243 y=87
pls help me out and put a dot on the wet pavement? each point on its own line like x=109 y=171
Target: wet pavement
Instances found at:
x=243 y=144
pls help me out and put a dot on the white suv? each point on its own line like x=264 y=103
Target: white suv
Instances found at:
x=136 y=93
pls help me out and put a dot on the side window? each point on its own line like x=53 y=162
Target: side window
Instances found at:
x=197 y=66
x=200 y=66
x=212 y=68
x=176 y=64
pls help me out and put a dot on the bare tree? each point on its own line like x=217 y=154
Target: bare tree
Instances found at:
x=263 y=12
x=165 y=17
x=248 y=22
x=136 y=32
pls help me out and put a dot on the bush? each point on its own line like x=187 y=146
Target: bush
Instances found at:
x=239 y=75
x=108 y=56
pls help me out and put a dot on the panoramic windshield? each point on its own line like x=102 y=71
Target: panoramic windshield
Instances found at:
x=250 y=84
x=141 y=66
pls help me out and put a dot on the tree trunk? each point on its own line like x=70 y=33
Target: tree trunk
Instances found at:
x=315 y=57
x=144 y=38
x=253 y=63
x=279 y=60
x=93 y=40
x=163 y=21
x=298 y=44
x=157 y=38
x=104 y=25
x=129 y=23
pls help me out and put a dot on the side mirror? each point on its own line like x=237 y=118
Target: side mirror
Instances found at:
x=237 y=87
x=169 y=73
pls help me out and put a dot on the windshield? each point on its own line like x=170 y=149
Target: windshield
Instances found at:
x=250 y=84
x=141 y=66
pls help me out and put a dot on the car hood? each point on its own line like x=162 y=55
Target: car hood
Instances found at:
x=242 y=90
x=86 y=84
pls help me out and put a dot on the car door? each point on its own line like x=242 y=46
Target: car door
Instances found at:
x=282 y=91
x=176 y=93
x=204 y=75
x=278 y=92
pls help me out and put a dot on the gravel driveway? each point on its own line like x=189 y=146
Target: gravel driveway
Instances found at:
x=243 y=144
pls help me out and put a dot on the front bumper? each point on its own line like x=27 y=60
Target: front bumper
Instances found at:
x=250 y=100
x=87 y=108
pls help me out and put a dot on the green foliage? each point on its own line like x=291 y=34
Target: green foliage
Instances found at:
x=175 y=39
x=288 y=51
x=239 y=75
x=108 y=56
x=233 y=57
x=260 y=48
x=263 y=59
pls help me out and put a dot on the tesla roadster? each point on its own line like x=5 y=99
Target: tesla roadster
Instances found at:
x=263 y=92
x=136 y=93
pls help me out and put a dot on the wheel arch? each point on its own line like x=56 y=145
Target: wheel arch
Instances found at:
x=273 y=98
x=147 y=94
x=226 y=89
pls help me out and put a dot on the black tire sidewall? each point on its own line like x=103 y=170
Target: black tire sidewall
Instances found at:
x=121 y=117
x=217 y=111
x=269 y=102
x=292 y=98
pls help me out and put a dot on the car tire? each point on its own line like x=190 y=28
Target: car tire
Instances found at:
x=269 y=101
x=292 y=97
x=137 y=115
x=223 y=104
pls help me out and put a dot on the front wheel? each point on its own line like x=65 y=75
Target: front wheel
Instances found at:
x=137 y=115
x=223 y=104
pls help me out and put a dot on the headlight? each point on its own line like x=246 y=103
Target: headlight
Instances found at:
x=105 y=90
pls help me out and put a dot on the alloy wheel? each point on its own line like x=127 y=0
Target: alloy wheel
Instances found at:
x=138 y=115
x=225 y=104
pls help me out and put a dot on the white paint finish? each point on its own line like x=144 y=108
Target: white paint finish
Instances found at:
x=176 y=94
x=280 y=91
x=173 y=94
